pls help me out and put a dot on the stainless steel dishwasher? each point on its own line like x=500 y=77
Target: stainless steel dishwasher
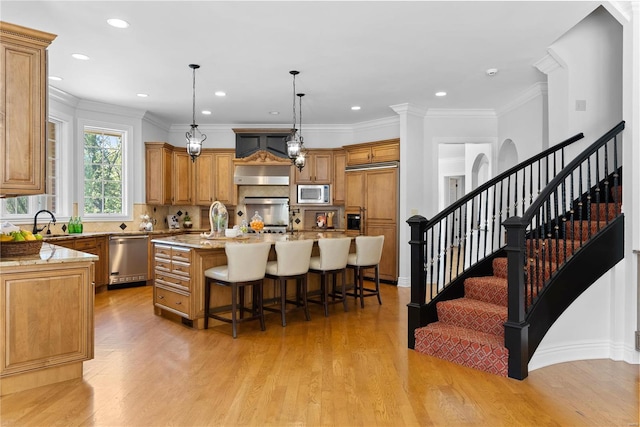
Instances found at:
x=127 y=260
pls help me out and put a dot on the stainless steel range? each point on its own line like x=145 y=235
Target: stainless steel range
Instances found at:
x=273 y=210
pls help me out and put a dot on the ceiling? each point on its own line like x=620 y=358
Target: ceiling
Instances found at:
x=366 y=53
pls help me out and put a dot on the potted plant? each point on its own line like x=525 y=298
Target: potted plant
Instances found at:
x=187 y=221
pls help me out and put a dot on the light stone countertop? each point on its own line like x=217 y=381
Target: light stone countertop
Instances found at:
x=49 y=254
x=197 y=242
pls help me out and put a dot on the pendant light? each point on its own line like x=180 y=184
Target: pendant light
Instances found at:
x=301 y=158
x=195 y=138
x=293 y=139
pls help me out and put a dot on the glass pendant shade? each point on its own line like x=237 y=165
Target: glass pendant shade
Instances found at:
x=293 y=145
x=301 y=159
x=194 y=137
x=194 y=142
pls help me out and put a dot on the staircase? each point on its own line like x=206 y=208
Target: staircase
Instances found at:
x=470 y=330
x=486 y=305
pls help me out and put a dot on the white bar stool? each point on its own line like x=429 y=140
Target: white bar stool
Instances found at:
x=246 y=265
x=368 y=255
x=332 y=260
x=292 y=262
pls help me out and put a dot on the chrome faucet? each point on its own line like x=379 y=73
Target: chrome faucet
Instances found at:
x=35 y=222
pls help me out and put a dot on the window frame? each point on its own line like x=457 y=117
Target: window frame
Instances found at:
x=127 y=190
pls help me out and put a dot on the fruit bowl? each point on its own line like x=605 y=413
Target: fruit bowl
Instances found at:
x=13 y=249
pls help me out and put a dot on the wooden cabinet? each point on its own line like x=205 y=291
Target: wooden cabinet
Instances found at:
x=354 y=191
x=388 y=266
x=214 y=178
x=46 y=318
x=172 y=178
x=97 y=245
x=374 y=194
x=23 y=109
x=318 y=169
x=159 y=173
x=182 y=178
x=338 y=187
x=373 y=152
x=172 y=283
x=179 y=280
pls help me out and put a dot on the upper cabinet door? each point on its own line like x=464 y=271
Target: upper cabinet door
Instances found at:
x=182 y=177
x=159 y=173
x=204 y=185
x=23 y=109
x=224 y=187
x=318 y=169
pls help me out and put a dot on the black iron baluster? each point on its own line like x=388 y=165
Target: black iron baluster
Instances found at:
x=459 y=242
x=472 y=218
x=616 y=200
x=431 y=261
x=606 y=182
x=557 y=226
x=486 y=221
x=564 y=217
x=478 y=230
x=589 y=196
x=572 y=212
x=439 y=257
x=581 y=206
x=445 y=246
x=597 y=188
x=495 y=229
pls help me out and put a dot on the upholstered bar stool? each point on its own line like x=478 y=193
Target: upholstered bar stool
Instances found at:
x=292 y=263
x=368 y=254
x=332 y=260
x=246 y=264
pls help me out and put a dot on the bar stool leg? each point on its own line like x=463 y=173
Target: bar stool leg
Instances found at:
x=361 y=286
x=325 y=295
x=234 y=306
x=304 y=297
x=344 y=289
x=378 y=284
x=283 y=302
x=207 y=297
x=260 y=303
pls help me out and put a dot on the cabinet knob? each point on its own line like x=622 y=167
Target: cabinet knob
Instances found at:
x=160 y=296
x=179 y=303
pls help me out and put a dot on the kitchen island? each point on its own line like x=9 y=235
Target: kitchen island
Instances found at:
x=180 y=262
x=46 y=317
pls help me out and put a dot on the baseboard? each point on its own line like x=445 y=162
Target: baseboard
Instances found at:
x=404 y=282
x=587 y=350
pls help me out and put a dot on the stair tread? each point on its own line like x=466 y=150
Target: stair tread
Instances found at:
x=462 y=333
x=466 y=347
x=491 y=289
x=473 y=314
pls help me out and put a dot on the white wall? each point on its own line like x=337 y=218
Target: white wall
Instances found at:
x=602 y=321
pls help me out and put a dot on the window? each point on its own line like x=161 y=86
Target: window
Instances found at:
x=25 y=207
x=103 y=171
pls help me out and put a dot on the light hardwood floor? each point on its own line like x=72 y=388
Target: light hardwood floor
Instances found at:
x=351 y=369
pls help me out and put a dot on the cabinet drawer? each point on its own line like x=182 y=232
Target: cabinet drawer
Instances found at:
x=162 y=265
x=171 y=280
x=173 y=301
x=180 y=268
x=182 y=255
x=163 y=251
x=86 y=243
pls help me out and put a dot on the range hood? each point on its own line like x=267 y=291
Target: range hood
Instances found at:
x=261 y=175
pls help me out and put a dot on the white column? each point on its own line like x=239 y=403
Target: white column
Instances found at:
x=412 y=180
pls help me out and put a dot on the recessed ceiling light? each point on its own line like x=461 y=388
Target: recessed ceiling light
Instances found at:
x=55 y=78
x=355 y=107
x=442 y=93
x=492 y=72
x=206 y=112
x=274 y=113
x=118 y=23
x=142 y=95
x=80 y=56
x=220 y=93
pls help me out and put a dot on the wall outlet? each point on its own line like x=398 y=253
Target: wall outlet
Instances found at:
x=414 y=211
x=637 y=340
x=581 y=105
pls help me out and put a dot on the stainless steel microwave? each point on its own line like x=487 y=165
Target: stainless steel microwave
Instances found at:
x=314 y=194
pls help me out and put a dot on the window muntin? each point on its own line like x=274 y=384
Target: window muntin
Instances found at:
x=103 y=171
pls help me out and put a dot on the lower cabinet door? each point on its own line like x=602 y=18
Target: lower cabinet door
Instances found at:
x=173 y=300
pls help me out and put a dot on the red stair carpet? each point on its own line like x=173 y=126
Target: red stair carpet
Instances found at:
x=470 y=330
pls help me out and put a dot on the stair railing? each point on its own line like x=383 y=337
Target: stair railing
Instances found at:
x=556 y=225
x=470 y=230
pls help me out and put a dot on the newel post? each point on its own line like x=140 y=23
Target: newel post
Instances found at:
x=417 y=313
x=516 y=332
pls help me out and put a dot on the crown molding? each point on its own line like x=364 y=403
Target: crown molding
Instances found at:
x=533 y=92
x=117 y=110
x=156 y=121
x=550 y=62
x=446 y=113
x=375 y=124
x=63 y=97
x=409 y=109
